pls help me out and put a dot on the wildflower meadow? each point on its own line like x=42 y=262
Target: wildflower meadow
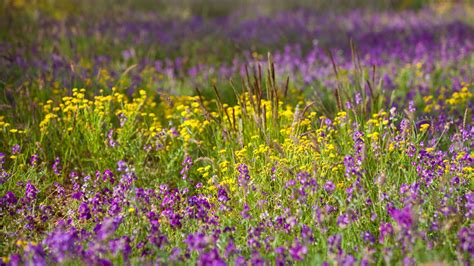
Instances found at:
x=236 y=132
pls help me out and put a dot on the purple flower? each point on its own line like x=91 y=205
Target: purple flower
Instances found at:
x=230 y=248
x=175 y=220
x=348 y=260
x=307 y=233
x=123 y=119
x=385 y=229
x=407 y=261
x=343 y=220
x=466 y=239
x=15 y=259
x=329 y=187
x=107 y=228
x=358 y=98
x=16 y=149
x=110 y=137
x=108 y=175
x=197 y=241
x=334 y=243
x=368 y=237
x=297 y=250
x=30 y=191
x=114 y=207
x=57 y=166
x=34 y=159
x=2 y=159
x=187 y=163
x=240 y=261
x=174 y=254
x=61 y=242
x=245 y=212
x=121 y=246
x=163 y=188
x=9 y=198
x=211 y=258
x=84 y=211
x=403 y=217
x=77 y=194
x=222 y=195
x=121 y=166
x=36 y=254
x=411 y=107
x=244 y=176
x=256 y=259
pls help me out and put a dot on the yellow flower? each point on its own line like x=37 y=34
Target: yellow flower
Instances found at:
x=21 y=243
x=431 y=149
x=341 y=114
x=391 y=147
x=424 y=127
x=374 y=136
x=241 y=153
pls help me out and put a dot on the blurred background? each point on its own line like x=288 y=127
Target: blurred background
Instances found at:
x=206 y=8
x=171 y=45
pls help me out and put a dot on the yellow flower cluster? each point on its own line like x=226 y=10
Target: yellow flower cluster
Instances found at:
x=460 y=98
x=70 y=106
x=3 y=124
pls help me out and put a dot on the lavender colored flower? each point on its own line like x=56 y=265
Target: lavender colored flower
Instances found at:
x=187 y=163
x=230 y=248
x=197 y=241
x=62 y=243
x=244 y=176
x=402 y=216
x=297 y=250
x=211 y=258
x=110 y=136
x=107 y=228
x=466 y=239
x=347 y=260
x=123 y=119
x=108 y=175
x=121 y=246
x=240 y=261
x=16 y=149
x=343 y=220
x=121 y=166
x=34 y=159
x=57 y=166
x=30 y=191
x=84 y=211
x=245 y=212
x=222 y=195
x=329 y=187
x=385 y=229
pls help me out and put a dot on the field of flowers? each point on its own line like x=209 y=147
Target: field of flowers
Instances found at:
x=294 y=136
